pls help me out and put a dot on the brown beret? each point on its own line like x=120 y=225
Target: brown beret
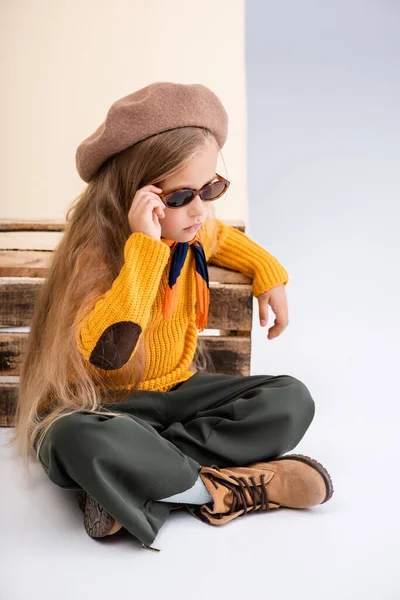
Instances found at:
x=155 y=108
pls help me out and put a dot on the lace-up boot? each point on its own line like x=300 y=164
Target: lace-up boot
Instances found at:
x=291 y=481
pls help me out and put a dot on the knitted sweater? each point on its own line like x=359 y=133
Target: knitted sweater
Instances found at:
x=132 y=307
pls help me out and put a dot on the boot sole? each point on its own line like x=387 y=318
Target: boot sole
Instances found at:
x=317 y=466
x=98 y=523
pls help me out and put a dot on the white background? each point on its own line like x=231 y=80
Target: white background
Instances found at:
x=323 y=97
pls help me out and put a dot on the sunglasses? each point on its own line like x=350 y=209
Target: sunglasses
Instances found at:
x=182 y=196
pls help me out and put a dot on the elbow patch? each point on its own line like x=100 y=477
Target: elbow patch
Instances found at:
x=115 y=345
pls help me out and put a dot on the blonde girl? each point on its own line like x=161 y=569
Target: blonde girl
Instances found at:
x=117 y=398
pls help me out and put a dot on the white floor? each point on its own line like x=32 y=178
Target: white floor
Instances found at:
x=347 y=548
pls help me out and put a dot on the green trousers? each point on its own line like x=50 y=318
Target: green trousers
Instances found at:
x=126 y=464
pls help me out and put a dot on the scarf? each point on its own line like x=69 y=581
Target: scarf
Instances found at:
x=179 y=251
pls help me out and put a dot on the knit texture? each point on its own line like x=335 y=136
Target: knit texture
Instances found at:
x=133 y=306
x=157 y=107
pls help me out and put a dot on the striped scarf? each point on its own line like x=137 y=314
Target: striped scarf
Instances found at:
x=179 y=251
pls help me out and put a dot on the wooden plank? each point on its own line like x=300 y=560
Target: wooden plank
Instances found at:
x=18 y=296
x=59 y=225
x=24 y=263
x=26 y=247
x=31 y=225
x=35 y=237
x=30 y=240
x=221 y=275
x=8 y=402
x=230 y=304
x=12 y=347
x=35 y=263
x=229 y=355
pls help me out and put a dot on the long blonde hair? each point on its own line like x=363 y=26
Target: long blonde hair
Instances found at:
x=53 y=375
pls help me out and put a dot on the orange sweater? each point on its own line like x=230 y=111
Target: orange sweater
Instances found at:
x=132 y=307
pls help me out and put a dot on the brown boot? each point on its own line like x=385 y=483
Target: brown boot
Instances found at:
x=292 y=481
x=98 y=523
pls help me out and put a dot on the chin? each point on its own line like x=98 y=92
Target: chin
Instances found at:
x=184 y=235
x=189 y=234
x=180 y=235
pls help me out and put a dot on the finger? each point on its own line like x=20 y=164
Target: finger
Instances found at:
x=161 y=209
x=263 y=308
x=150 y=205
x=160 y=212
x=279 y=325
x=149 y=194
x=151 y=187
x=155 y=201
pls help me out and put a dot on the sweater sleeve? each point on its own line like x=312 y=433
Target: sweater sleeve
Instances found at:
x=109 y=334
x=238 y=252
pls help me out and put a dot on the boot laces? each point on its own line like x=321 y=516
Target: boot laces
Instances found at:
x=257 y=492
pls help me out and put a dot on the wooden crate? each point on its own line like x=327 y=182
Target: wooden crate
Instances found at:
x=25 y=252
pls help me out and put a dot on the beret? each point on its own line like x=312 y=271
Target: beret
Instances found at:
x=157 y=107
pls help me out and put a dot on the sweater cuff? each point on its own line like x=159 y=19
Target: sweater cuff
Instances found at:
x=155 y=251
x=268 y=275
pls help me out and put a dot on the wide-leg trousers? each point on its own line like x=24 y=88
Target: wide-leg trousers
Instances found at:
x=127 y=464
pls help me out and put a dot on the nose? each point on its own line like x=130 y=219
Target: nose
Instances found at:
x=197 y=207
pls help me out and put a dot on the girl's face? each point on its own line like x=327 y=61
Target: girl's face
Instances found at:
x=199 y=171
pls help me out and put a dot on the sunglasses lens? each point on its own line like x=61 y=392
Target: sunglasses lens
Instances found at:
x=179 y=199
x=213 y=190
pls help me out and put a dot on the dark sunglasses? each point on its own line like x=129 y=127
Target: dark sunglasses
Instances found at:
x=182 y=196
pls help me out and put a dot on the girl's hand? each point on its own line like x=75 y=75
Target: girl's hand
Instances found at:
x=276 y=297
x=146 y=210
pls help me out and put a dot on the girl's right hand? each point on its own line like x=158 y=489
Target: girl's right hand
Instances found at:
x=146 y=210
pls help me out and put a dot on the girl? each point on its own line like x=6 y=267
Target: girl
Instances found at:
x=114 y=401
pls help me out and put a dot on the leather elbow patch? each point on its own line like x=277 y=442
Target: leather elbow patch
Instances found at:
x=115 y=345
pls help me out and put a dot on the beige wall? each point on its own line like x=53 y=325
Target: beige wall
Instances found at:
x=65 y=62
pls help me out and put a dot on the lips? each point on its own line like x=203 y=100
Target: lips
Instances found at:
x=194 y=225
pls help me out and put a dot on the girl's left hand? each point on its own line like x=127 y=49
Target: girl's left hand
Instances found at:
x=276 y=297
